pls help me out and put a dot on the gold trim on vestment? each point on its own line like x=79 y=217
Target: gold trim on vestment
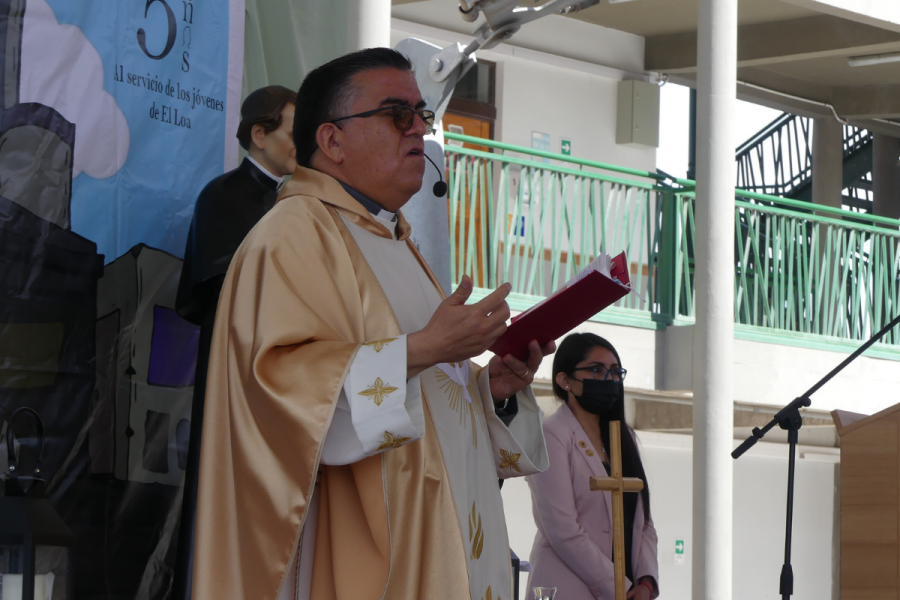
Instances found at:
x=378 y=391
x=508 y=460
x=458 y=403
x=358 y=497
x=488 y=595
x=392 y=441
x=428 y=559
x=274 y=378
x=476 y=534
x=378 y=345
x=272 y=386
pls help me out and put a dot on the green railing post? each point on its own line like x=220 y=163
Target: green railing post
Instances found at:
x=667 y=252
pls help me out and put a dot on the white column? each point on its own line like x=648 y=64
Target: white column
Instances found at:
x=371 y=24
x=827 y=162
x=886 y=176
x=714 y=284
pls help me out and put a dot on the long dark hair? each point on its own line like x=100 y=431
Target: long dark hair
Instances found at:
x=572 y=351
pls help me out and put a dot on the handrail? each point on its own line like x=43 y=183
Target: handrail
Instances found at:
x=554 y=168
x=854 y=138
x=662 y=180
x=552 y=155
x=775 y=210
x=767 y=131
x=819 y=208
x=778 y=159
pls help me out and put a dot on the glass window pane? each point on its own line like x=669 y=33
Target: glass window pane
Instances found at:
x=11 y=565
x=11 y=559
x=476 y=84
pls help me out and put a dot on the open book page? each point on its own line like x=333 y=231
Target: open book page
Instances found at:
x=602 y=264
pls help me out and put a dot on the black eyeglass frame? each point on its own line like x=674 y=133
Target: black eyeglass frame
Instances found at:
x=595 y=369
x=427 y=117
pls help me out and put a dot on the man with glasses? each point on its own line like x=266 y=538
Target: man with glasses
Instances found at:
x=346 y=427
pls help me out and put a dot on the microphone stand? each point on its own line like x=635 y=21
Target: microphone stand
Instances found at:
x=789 y=419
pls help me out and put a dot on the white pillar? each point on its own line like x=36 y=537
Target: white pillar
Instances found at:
x=714 y=284
x=886 y=176
x=371 y=24
x=827 y=162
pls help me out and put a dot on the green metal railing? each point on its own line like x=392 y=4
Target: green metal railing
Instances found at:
x=557 y=219
x=535 y=218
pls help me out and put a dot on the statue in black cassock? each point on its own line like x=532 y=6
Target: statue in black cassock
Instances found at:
x=226 y=210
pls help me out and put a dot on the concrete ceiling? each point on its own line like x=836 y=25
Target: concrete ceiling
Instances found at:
x=795 y=47
x=787 y=48
x=648 y=18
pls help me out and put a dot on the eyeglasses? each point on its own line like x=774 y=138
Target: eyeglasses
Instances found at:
x=404 y=117
x=602 y=373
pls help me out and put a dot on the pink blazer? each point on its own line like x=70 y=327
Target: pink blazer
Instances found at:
x=573 y=547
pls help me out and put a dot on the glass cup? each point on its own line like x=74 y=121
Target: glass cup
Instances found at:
x=544 y=593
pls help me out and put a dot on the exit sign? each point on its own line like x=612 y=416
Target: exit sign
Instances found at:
x=679 y=552
x=565 y=147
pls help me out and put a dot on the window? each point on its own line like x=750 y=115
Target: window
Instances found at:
x=473 y=99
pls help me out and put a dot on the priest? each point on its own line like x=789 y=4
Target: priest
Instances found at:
x=226 y=210
x=351 y=449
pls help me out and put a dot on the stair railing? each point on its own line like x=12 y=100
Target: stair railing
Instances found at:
x=777 y=159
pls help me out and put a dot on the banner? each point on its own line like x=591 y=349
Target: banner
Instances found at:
x=113 y=116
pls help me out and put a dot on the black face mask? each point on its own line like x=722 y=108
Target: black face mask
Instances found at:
x=598 y=397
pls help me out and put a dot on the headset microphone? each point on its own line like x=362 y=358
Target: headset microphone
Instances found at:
x=440 y=188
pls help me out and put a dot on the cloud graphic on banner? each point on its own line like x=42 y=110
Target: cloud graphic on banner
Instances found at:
x=62 y=69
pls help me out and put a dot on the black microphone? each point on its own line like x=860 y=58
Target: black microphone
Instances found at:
x=440 y=188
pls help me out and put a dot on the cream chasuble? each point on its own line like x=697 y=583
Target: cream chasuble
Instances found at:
x=425 y=519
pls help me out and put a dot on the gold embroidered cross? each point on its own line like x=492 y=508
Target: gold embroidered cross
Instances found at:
x=377 y=345
x=509 y=460
x=618 y=485
x=391 y=441
x=378 y=391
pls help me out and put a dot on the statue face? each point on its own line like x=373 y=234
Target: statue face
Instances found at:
x=278 y=152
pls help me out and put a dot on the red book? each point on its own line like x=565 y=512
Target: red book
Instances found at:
x=594 y=288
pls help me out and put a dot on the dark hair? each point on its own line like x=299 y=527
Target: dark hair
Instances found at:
x=327 y=91
x=572 y=351
x=263 y=107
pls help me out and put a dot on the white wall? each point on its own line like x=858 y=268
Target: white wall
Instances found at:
x=764 y=373
x=549 y=93
x=553 y=34
x=564 y=103
x=775 y=374
x=760 y=488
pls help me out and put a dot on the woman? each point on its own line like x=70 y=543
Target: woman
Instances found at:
x=573 y=548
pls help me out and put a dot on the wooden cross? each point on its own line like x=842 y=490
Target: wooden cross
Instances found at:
x=618 y=485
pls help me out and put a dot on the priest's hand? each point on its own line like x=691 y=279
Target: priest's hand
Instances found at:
x=458 y=331
x=508 y=374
